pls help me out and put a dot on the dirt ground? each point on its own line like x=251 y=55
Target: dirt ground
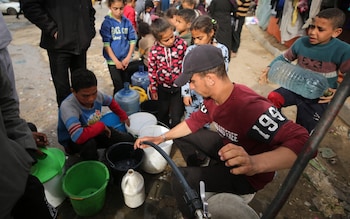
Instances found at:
x=323 y=190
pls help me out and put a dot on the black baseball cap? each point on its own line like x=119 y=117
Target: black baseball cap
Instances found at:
x=200 y=58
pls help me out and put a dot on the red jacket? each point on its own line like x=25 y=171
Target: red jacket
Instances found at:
x=129 y=13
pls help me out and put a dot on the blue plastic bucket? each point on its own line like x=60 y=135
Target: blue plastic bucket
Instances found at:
x=113 y=120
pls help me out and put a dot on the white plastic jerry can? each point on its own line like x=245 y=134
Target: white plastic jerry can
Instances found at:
x=133 y=189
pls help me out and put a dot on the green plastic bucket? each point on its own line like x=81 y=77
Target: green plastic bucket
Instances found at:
x=85 y=184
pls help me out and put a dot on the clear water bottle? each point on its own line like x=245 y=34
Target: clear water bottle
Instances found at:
x=128 y=99
x=301 y=81
x=140 y=78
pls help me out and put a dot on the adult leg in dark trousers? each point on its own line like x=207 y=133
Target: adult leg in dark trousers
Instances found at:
x=217 y=179
x=61 y=64
x=236 y=32
x=33 y=203
x=217 y=176
x=196 y=146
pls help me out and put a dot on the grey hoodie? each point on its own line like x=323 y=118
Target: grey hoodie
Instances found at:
x=16 y=139
x=5 y=35
x=5 y=59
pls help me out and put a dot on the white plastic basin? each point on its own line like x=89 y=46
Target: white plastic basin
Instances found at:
x=138 y=121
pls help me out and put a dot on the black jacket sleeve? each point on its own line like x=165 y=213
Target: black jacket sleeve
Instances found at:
x=35 y=11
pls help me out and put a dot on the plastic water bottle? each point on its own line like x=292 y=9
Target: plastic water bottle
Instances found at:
x=301 y=81
x=128 y=99
x=140 y=78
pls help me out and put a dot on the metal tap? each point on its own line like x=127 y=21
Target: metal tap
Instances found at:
x=203 y=213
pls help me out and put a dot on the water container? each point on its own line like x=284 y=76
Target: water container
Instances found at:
x=230 y=206
x=133 y=189
x=85 y=184
x=113 y=120
x=128 y=99
x=50 y=171
x=140 y=78
x=121 y=157
x=153 y=161
x=138 y=121
x=301 y=81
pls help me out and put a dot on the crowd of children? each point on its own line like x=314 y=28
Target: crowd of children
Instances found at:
x=163 y=40
x=165 y=37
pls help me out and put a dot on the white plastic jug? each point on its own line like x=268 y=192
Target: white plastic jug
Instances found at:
x=133 y=189
x=153 y=161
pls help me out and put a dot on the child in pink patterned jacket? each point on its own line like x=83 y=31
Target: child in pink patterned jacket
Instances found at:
x=164 y=67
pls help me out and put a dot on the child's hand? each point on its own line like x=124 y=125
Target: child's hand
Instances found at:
x=127 y=122
x=327 y=98
x=125 y=62
x=263 y=77
x=119 y=65
x=187 y=101
x=154 y=96
x=107 y=132
x=40 y=139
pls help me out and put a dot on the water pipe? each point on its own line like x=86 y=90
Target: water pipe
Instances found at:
x=191 y=197
x=310 y=148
